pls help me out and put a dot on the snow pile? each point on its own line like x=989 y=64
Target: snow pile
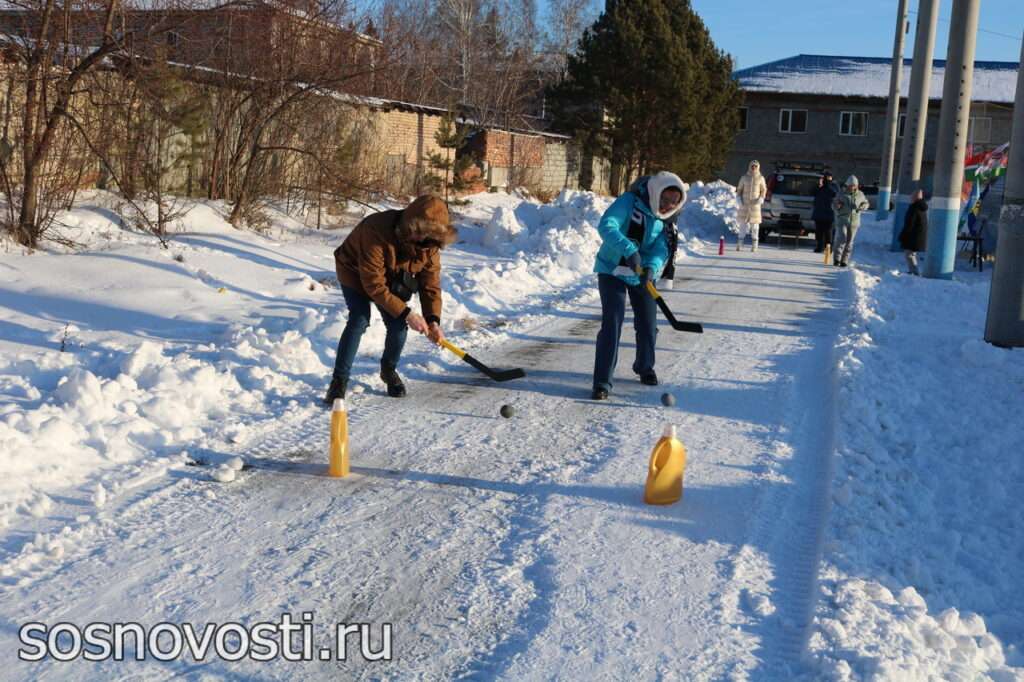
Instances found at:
x=925 y=549
x=710 y=211
x=523 y=250
x=505 y=228
x=107 y=409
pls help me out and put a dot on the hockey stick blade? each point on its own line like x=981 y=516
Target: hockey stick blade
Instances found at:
x=694 y=327
x=679 y=325
x=496 y=374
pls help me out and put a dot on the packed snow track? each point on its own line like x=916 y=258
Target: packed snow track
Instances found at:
x=506 y=548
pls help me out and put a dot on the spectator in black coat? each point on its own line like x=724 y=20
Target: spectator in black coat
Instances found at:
x=914 y=236
x=822 y=214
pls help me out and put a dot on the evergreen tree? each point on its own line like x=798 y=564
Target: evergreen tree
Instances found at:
x=449 y=138
x=648 y=87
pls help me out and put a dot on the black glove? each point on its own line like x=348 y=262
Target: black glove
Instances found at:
x=634 y=261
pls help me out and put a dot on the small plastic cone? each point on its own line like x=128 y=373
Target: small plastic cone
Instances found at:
x=338 y=467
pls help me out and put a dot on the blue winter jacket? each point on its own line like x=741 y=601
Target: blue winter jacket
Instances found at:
x=616 y=245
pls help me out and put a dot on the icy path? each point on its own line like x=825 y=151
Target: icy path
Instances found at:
x=508 y=548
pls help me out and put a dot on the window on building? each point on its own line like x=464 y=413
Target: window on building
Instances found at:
x=173 y=39
x=793 y=121
x=853 y=123
x=743 y=118
x=979 y=130
x=901 y=126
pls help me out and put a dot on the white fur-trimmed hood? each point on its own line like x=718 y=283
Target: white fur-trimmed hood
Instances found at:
x=658 y=183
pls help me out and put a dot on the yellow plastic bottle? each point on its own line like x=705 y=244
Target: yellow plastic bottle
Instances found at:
x=338 y=467
x=666 y=470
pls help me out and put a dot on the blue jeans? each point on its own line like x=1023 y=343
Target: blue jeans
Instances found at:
x=358 y=320
x=613 y=311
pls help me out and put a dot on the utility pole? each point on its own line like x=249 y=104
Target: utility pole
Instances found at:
x=1004 y=325
x=944 y=208
x=892 y=113
x=912 y=151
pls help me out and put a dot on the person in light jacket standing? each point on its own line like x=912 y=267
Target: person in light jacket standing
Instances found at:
x=848 y=206
x=751 y=191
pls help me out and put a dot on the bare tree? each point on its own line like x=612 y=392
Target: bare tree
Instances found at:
x=52 y=67
x=567 y=19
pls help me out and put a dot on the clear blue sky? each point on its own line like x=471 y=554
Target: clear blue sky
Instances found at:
x=759 y=31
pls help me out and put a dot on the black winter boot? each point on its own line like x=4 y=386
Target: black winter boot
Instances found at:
x=599 y=393
x=649 y=379
x=336 y=390
x=388 y=374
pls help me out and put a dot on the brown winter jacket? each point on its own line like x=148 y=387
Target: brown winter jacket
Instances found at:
x=384 y=243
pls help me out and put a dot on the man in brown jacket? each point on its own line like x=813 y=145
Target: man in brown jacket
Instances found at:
x=387 y=258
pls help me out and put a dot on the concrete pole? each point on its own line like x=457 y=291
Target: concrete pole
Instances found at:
x=892 y=114
x=944 y=208
x=912 y=151
x=1005 y=323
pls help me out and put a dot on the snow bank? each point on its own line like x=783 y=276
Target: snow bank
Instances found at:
x=925 y=548
x=520 y=251
x=710 y=211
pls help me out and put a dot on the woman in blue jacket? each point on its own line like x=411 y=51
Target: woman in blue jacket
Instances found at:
x=634 y=238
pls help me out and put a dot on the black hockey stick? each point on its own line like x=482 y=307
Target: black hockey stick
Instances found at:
x=496 y=374
x=679 y=326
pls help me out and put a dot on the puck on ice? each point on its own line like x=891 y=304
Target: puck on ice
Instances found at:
x=668 y=400
x=507 y=411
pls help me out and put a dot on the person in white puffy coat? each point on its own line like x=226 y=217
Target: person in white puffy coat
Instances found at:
x=751 y=191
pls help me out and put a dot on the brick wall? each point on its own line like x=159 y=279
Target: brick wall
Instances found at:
x=499 y=150
x=406 y=139
x=561 y=166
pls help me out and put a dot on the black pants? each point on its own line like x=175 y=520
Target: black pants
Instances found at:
x=822 y=234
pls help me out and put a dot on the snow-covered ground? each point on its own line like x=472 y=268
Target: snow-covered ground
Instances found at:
x=852 y=416
x=923 y=572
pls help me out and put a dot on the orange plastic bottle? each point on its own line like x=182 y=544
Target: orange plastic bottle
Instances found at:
x=338 y=467
x=666 y=469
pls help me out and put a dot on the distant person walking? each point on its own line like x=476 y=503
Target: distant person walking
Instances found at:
x=751 y=191
x=848 y=206
x=822 y=213
x=914 y=236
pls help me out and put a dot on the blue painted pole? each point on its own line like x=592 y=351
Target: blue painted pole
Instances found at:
x=899 y=215
x=884 y=197
x=912 y=151
x=944 y=208
x=892 y=115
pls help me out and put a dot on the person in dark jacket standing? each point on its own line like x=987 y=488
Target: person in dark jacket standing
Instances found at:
x=914 y=236
x=822 y=214
x=388 y=257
